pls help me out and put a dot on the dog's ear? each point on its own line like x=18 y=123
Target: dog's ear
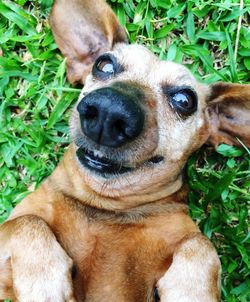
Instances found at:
x=83 y=30
x=229 y=113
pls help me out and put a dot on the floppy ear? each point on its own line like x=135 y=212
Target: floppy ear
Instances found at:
x=84 y=29
x=229 y=113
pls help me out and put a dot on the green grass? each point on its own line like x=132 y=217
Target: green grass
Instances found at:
x=35 y=99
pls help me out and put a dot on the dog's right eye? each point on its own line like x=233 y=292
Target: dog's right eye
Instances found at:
x=105 y=67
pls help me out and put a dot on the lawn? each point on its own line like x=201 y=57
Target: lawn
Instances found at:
x=211 y=37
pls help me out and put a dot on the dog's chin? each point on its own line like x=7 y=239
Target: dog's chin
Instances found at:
x=108 y=168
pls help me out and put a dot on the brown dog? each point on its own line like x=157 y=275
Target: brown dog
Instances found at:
x=111 y=224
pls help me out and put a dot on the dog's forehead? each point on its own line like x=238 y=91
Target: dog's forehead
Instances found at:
x=138 y=60
x=134 y=55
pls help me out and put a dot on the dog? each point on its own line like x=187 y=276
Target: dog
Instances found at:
x=111 y=223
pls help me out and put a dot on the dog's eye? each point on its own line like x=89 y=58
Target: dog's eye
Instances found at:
x=105 y=67
x=183 y=100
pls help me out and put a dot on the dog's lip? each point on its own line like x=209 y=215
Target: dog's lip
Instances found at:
x=103 y=165
x=100 y=164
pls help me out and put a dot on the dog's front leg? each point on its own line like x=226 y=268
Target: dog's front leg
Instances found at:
x=33 y=266
x=194 y=275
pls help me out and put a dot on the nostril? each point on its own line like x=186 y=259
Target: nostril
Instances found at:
x=119 y=127
x=90 y=112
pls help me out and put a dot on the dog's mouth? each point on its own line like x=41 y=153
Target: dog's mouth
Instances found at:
x=103 y=165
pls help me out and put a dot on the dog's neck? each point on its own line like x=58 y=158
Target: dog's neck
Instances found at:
x=68 y=178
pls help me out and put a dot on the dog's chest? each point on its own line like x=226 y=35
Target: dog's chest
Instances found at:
x=121 y=263
x=114 y=262
x=117 y=261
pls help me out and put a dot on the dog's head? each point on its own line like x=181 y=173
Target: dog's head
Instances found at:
x=138 y=118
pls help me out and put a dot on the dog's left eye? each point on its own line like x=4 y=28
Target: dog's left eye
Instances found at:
x=183 y=100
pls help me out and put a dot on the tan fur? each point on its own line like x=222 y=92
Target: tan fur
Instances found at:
x=120 y=236
x=194 y=259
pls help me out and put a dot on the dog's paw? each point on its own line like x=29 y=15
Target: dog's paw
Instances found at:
x=194 y=275
x=44 y=278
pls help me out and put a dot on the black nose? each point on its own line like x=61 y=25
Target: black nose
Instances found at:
x=111 y=117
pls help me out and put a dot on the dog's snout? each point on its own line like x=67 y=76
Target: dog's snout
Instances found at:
x=111 y=117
